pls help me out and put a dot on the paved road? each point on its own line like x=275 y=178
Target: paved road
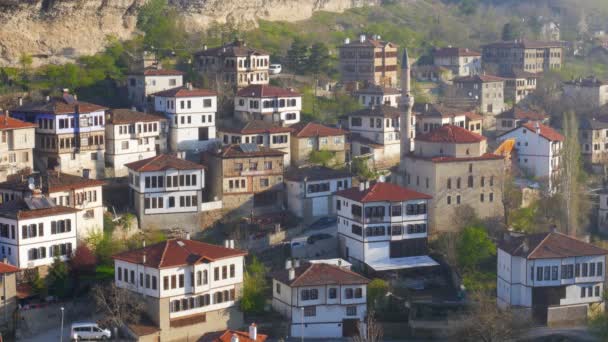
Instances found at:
x=578 y=334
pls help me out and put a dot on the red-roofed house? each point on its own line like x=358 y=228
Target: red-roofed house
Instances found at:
x=320 y=300
x=8 y=289
x=190 y=288
x=514 y=117
x=150 y=80
x=461 y=61
x=269 y=103
x=365 y=238
x=539 y=150
x=309 y=137
x=251 y=335
x=452 y=165
x=17 y=139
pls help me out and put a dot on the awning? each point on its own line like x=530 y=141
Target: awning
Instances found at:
x=389 y=264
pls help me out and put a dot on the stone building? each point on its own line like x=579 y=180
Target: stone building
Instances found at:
x=526 y=55
x=309 y=137
x=260 y=132
x=374 y=95
x=588 y=90
x=369 y=60
x=152 y=79
x=17 y=140
x=234 y=65
x=246 y=177
x=451 y=165
x=460 y=61
x=485 y=91
x=593 y=137
x=519 y=85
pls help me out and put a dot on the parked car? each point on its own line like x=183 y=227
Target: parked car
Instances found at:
x=317 y=237
x=275 y=69
x=89 y=331
x=324 y=222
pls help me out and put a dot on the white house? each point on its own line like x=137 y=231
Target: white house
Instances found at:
x=383 y=227
x=34 y=230
x=260 y=132
x=461 y=61
x=554 y=276
x=320 y=300
x=133 y=136
x=268 y=103
x=538 y=150
x=150 y=80
x=189 y=287
x=375 y=95
x=83 y=194
x=167 y=191
x=17 y=139
x=310 y=190
x=191 y=116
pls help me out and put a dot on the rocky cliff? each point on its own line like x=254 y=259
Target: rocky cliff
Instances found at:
x=57 y=30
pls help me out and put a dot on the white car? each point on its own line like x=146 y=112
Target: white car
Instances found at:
x=275 y=69
x=89 y=331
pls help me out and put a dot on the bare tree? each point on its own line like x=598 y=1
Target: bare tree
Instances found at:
x=372 y=332
x=570 y=174
x=118 y=306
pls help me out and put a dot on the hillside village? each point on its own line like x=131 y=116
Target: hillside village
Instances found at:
x=440 y=198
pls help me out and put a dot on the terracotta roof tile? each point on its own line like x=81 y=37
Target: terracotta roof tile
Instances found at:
x=545 y=131
x=262 y=90
x=127 y=116
x=246 y=150
x=378 y=90
x=549 y=245
x=439 y=110
x=382 y=192
x=369 y=42
x=19 y=210
x=451 y=134
x=163 y=162
x=178 y=252
x=255 y=127
x=7 y=268
x=50 y=182
x=478 y=79
x=8 y=123
x=311 y=129
x=64 y=105
x=455 y=52
x=448 y=159
x=243 y=336
x=185 y=92
x=161 y=72
x=320 y=274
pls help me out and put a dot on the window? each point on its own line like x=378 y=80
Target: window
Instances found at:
x=592 y=269
x=577 y=270
x=539 y=274
x=357 y=230
x=396 y=210
x=583 y=292
x=358 y=293
x=600 y=269
x=173 y=281
x=224 y=272
x=351 y=310
x=585 y=270
x=310 y=311
x=278 y=288
x=554 y=270
x=396 y=230
x=119 y=273
x=348 y=293
x=232 y=271
x=309 y=294
x=216 y=274
x=333 y=292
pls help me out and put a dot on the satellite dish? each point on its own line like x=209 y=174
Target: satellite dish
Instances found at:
x=30 y=183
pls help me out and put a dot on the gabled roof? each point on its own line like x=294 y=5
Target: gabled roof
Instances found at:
x=255 y=127
x=451 y=134
x=177 y=252
x=163 y=162
x=590 y=81
x=50 y=182
x=523 y=43
x=478 y=79
x=378 y=111
x=67 y=104
x=520 y=114
x=237 y=48
x=23 y=209
x=246 y=150
x=161 y=72
x=548 y=246
x=312 y=129
x=545 y=131
x=455 y=52
x=7 y=268
x=262 y=90
x=320 y=274
x=592 y=123
x=128 y=116
x=184 y=91
x=438 y=110
x=8 y=123
x=243 y=336
x=373 y=89
x=382 y=192
x=315 y=173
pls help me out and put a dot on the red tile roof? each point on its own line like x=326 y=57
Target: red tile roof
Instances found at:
x=66 y=104
x=178 y=252
x=163 y=162
x=255 y=127
x=520 y=114
x=455 y=52
x=382 y=192
x=451 y=134
x=318 y=274
x=549 y=245
x=185 y=92
x=545 y=131
x=51 y=181
x=126 y=116
x=262 y=90
x=19 y=210
x=478 y=79
x=485 y=156
x=162 y=72
x=7 y=268
x=311 y=129
x=8 y=123
x=253 y=150
x=523 y=43
x=243 y=337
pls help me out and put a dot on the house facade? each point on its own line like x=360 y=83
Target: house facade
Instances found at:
x=320 y=300
x=268 y=103
x=133 y=136
x=553 y=277
x=539 y=150
x=432 y=116
x=374 y=95
x=593 y=137
x=310 y=138
x=526 y=55
x=262 y=133
x=602 y=211
x=70 y=135
x=189 y=288
x=33 y=231
x=151 y=80
x=8 y=289
x=368 y=60
x=485 y=91
x=516 y=116
x=590 y=90
x=519 y=85
x=311 y=190
x=190 y=114
x=460 y=61
x=17 y=141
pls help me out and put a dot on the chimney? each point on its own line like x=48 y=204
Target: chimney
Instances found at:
x=426 y=107
x=66 y=90
x=347 y=41
x=205 y=47
x=75 y=97
x=362 y=186
x=287 y=264
x=524 y=245
x=553 y=229
x=292 y=274
x=232 y=244
x=253 y=331
x=340 y=262
x=366 y=185
x=134 y=109
x=296 y=263
x=187 y=236
x=6 y=116
x=234 y=338
x=189 y=86
x=144 y=258
x=20 y=101
x=361 y=38
x=48 y=98
x=227 y=243
x=537 y=127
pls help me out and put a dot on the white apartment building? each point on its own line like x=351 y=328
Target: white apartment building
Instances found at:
x=268 y=103
x=190 y=288
x=191 y=117
x=260 y=132
x=588 y=90
x=17 y=140
x=320 y=300
x=33 y=231
x=133 y=136
x=383 y=227
x=375 y=95
x=167 y=191
x=83 y=194
x=70 y=135
x=553 y=276
x=151 y=80
x=461 y=61
x=538 y=151
x=310 y=190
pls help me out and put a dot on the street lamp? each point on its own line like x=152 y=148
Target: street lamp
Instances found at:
x=61 y=332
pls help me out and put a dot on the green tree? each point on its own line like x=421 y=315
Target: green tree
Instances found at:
x=473 y=247
x=319 y=59
x=162 y=27
x=297 y=56
x=321 y=157
x=376 y=290
x=524 y=219
x=58 y=278
x=254 y=286
x=360 y=167
x=25 y=61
